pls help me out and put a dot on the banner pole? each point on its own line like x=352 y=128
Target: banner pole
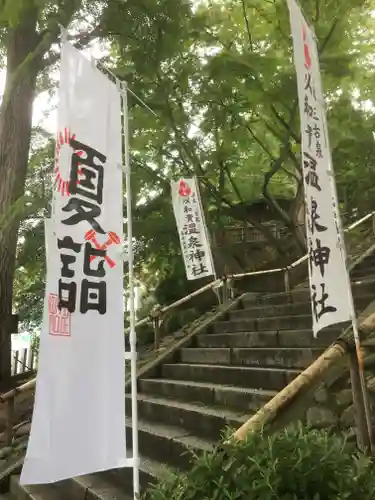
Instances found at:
x=208 y=236
x=132 y=334
x=205 y=227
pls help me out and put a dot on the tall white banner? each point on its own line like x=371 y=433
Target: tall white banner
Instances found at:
x=192 y=230
x=327 y=268
x=78 y=424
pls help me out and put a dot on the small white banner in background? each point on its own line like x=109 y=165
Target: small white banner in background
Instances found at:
x=191 y=226
x=78 y=424
x=327 y=268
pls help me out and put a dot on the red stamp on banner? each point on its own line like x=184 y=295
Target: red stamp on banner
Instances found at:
x=59 y=320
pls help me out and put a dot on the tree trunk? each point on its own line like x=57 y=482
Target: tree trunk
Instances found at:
x=15 y=134
x=297 y=214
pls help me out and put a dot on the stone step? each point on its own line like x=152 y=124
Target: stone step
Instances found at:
x=284 y=338
x=303 y=295
x=305 y=338
x=95 y=487
x=107 y=485
x=365 y=271
x=302 y=322
x=167 y=444
x=215 y=356
x=363 y=280
x=277 y=357
x=88 y=487
x=367 y=263
x=270 y=310
x=279 y=323
x=203 y=421
x=273 y=379
x=207 y=393
x=298 y=309
x=37 y=492
x=150 y=472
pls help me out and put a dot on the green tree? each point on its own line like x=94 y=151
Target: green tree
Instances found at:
x=224 y=90
x=219 y=77
x=29 y=31
x=29 y=280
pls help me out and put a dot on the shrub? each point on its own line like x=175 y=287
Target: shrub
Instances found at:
x=296 y=464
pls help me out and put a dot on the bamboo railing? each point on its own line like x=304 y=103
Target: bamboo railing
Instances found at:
x=286 y=406
x=225 y=283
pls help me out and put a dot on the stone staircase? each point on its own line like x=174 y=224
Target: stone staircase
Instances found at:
x=219 y=380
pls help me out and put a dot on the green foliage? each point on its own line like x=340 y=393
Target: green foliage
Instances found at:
x=219 y=76
x=296 y=464
x=11 y=10
x=222 y=84
x=35 y=342
x=29 y=280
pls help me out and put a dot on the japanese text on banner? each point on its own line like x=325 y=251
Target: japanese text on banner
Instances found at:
x=81 y=379
x=192 y=231
x=84 y=205
x=326 y=259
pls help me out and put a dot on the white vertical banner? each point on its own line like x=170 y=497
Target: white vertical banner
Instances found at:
x=329 y=281
x=192 y=230
x=78 y=425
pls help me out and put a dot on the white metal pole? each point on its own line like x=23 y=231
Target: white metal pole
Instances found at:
x=132 y=334
x=204 y=223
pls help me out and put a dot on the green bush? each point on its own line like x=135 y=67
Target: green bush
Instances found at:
x=296 y=464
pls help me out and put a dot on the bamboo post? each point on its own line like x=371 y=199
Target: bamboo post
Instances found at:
x=363 y=438
x=216 y=290
x=9 y=421
x=225 y=290
x=16 y=360
x=31 y=358
x=24 y=366
x=155 y=316
x=286 y=279
x=220 y=295
x=156 y=333
x=230 y=288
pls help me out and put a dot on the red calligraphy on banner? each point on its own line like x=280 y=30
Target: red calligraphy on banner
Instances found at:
x=306 y=48
x=59 y=320
x=112 y=239
x=184 y=189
